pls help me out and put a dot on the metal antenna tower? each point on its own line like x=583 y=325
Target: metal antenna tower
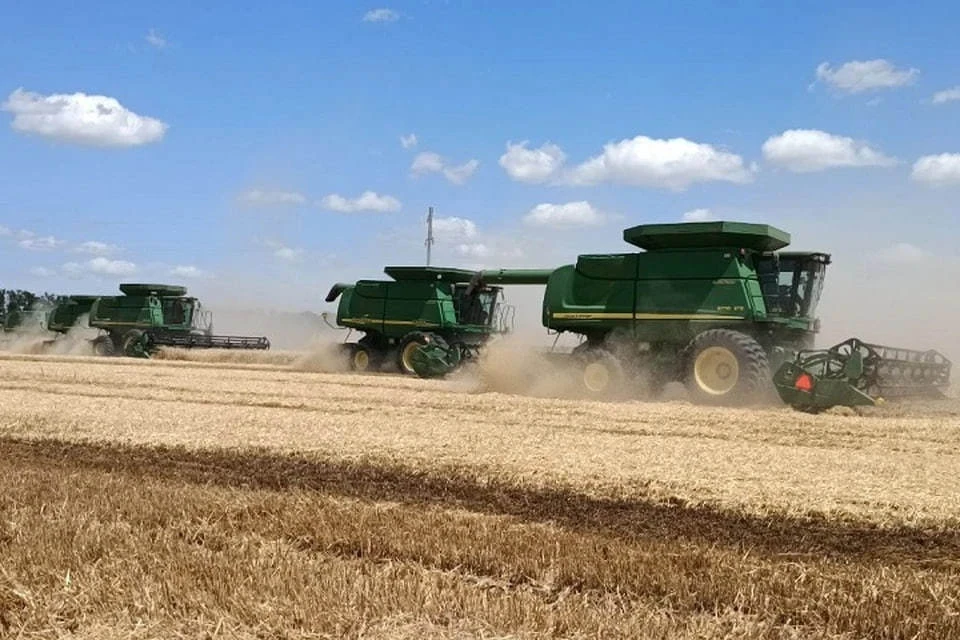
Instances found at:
x=429 y=241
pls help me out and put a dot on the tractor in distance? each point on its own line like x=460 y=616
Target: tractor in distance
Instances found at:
x=716 y=306
x=144 y=318
x=455 y=311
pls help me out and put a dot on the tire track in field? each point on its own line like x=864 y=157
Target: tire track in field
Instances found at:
x=462 y=487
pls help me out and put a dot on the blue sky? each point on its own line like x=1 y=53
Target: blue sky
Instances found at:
x=234 y=126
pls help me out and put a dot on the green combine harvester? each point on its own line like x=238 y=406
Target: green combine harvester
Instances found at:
x=453 y=311
x=143 y=319
x=28 y=320
x=717 y=306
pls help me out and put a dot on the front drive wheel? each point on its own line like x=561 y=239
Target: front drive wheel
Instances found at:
x=408 y=347
x=363 y=358
x=601 y=374
x=103 y=346
x=135 y=345
x=726 y=367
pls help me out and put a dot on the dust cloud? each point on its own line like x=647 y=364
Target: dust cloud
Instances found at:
x=324 y=356
x=909 y=305
x=35 y=339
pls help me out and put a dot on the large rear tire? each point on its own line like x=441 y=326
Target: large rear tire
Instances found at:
x=724 y=367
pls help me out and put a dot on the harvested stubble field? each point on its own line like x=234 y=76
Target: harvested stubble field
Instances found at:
x=199 y=499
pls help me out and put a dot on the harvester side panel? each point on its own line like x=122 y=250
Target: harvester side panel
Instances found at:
x=119 y=311
x=663 y=296
x=574 y=300
x=65 y=315
x=393 y=309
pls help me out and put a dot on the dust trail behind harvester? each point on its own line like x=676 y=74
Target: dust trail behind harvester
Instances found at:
x=37 y=340
x=513 y=365
x=324 y=356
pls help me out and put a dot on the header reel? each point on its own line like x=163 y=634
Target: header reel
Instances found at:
x=856 y=373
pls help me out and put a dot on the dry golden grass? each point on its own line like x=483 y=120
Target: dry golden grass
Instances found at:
x=186 y=499
x=896 y=468
x=115 y=541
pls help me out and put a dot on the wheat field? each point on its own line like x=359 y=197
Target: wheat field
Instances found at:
x=262 y=498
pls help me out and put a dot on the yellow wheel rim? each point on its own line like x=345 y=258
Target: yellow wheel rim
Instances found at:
x=361 y=360
x=407 y=356
x=596 y=377
x=716 y=371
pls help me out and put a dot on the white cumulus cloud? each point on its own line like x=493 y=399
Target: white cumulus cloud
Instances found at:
x=270 y=198
x=381 y=15
x=937 y=170
x=367 y=201
x=32 y=242
x=4 y=231
x=858 y=76
x=454 y=228
x=427 y=162
x=156 y=40
x=78 y=118
x=108 y=267
x=649 y=162
x=474 y=250
x=42 y=272
x=461 y=173
x=408 y=141
x=808 y=150
x=96 y=248
x=564 y=216
x=697 y=215
x=430 y=162
x=285 y=253
x=947 y=95
x=99 y=266
x=188 y=271
x=532 y=165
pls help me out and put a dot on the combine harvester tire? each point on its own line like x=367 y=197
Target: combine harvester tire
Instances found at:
x=725 y=367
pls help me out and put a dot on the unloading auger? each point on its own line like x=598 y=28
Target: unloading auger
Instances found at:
x=856 y=373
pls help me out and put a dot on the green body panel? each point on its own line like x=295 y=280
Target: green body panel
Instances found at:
x=67 y=313
x=693 y=235
x=122 y=313
x=669 y=296
x=461 y=307
x=394 y=308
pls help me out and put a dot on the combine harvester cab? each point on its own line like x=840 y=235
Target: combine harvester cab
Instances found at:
x=428 y=319
x=149 y=316
x=717 y=306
